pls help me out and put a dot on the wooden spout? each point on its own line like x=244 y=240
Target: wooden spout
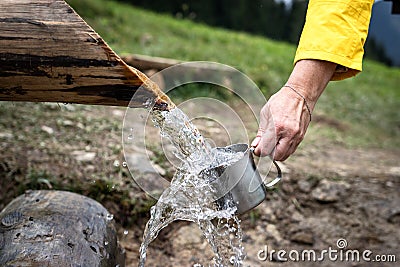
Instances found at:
x=48 y=53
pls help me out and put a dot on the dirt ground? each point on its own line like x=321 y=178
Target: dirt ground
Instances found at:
x=331 y=196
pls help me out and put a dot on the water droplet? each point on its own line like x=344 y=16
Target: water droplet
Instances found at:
x=124 y=164
x=109 y=217
x=126 y=232
x=130 y=136
x=105 y=243
x=116 y=163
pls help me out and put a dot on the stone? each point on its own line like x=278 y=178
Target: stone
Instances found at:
x=393 y=215
x=330 y=191
x=83 y=156
x=304 y=236
x=284 y=168
x=118 y=113
x=304 y=186
x=141 y=163
x=47 y=129
x=6 y=135
x=297 y=216
x=67 y=123
x=57 y=228
x=272 y=231
x=188 y=235
x=395 y=171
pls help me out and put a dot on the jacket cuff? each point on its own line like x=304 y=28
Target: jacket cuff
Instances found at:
x=336 y=31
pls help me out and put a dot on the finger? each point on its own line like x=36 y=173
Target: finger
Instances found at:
x=266 y=145
x=286 y=147
x=256 y=141
x=265 y=141
x=295 y=144
x=282 y=149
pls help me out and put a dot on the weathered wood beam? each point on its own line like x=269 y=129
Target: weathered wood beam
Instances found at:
x=143 y=62
x=49 y=54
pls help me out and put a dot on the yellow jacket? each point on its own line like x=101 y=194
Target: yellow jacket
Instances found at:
x=335 y=31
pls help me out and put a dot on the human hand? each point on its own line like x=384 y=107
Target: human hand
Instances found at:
x=287 y=114
x=284 y=120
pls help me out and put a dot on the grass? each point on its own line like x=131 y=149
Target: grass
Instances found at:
x=367 y=104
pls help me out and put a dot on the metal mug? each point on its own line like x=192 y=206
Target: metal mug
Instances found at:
x=242 y=180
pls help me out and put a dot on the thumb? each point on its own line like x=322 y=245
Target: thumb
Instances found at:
x=265 y=141
x=256 y=141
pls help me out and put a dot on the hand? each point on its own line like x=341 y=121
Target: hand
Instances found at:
x=285 y=117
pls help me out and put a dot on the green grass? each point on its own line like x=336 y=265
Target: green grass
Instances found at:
x=368 y=105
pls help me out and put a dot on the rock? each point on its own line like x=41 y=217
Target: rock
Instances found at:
x=393 y=215
x=303 y=238
x=152 y=183
x=297 y=216
x=330 y=191
x=47 y=129
x=272 y=231
x=287 y=188
x=118 y=113
x=268 y=214
x=83 y=156
x=304 y=186
x=67 y=123
x=284 y=168
x=6 y=135
x=188 y=235
x=159 y=169
x=80 y=125
x=141 y=163
x=57 y=228
x=395 y=171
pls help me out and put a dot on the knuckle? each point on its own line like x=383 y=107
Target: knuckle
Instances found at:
x=296 y=130
x=280 y=127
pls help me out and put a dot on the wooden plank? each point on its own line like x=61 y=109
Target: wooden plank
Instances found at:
x=49 y=53
x=143 y=62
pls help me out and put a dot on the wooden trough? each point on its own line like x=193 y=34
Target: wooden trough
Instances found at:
x=48 y=53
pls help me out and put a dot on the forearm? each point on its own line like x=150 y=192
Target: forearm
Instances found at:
x=310 y=78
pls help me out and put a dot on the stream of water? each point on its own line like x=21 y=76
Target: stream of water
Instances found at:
x=191 y=196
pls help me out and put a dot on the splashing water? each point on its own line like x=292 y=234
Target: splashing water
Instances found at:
x=191 y=196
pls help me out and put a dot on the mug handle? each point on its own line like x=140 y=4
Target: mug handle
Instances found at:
x=277 y=178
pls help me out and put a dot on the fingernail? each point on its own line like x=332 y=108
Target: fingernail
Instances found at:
x=256 y=141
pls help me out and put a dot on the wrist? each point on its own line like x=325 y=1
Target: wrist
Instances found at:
x=310 y=78
x=307 y=106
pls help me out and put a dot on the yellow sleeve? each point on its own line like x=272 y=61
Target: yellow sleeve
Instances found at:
x=336 y=31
